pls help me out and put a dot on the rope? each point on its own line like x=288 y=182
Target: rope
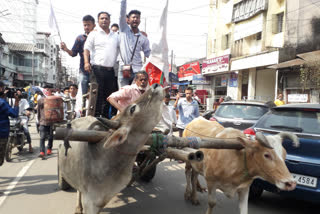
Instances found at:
x=158 y=146
x=246 y=173
x=194 y=142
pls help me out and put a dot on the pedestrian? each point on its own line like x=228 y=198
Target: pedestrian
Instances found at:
x=73 y=91
x=188 y=109
x=39 y=95
x=45 y=126
x=88 y=25
x=66 y=92
x=168 y=118
x=129 y=93
x=115 y=27
x=5 y=112
x=132 y=42
x=217 y=104
x=102 y=46
x=279 y=101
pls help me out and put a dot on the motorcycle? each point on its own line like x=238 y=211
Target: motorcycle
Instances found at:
x=16 y=138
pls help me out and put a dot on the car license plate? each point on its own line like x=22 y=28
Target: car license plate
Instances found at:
x=305 y=180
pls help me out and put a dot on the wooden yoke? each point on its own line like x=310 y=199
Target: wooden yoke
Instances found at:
x=93 y=136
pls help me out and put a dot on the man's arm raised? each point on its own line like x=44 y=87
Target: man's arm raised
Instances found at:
x=123 y=16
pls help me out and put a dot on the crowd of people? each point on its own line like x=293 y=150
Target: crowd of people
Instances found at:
x=109 y=56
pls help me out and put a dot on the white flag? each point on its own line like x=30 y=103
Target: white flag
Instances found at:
x=53 y=24
x=159 y=49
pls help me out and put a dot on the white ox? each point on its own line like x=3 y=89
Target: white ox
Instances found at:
x=99 y=171
x=233 y=171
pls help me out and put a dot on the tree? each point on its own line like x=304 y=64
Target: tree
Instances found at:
x=310 y=74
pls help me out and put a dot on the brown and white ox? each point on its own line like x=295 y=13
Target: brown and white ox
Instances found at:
x=99 y=171
x=233 y=171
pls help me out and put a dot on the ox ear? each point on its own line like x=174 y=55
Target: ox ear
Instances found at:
x=118 y=137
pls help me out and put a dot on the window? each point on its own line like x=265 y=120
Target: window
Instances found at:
x=28 y=62
x=258 y=36
x=15 y=60
x=246 y=9
x=226 y=41
x=277 y=23
x=10 y=59
x=237 y=49
x=40 y=46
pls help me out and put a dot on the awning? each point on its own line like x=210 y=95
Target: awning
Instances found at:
x=289 y=63
x=303 y=58
x=310 y=56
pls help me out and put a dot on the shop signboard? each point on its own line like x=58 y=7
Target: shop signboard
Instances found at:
x=216 y=65
x=199 y=79
x=297 y=98
x=186 y=71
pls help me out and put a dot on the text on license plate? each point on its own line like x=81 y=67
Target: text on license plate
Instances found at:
x=305 y=180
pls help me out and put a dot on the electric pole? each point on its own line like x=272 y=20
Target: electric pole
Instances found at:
x=32 y=64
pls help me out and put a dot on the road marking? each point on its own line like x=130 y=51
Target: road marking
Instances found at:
x=15 y=182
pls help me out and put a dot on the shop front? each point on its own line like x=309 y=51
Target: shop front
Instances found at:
x=289 y=79
x=217 y=71
x=256 y=81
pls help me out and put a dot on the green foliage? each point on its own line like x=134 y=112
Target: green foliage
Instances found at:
x=310 y=74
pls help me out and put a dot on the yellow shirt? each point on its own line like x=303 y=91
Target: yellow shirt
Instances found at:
x=35 y=98
x=278 y=102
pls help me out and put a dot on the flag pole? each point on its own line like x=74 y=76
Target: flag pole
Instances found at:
x=53 y=24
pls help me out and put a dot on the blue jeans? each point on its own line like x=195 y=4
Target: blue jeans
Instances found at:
x=124 y=81
x=84 y=79
x=45 y=132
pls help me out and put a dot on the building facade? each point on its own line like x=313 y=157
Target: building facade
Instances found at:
x=247 y=37
x=20 y=25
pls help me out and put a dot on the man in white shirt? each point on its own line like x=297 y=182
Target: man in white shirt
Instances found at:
x=168 y=117
x=102 y=48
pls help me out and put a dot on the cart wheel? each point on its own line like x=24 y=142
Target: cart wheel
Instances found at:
x=63 y=185
x=9 y=150
x=148 y=176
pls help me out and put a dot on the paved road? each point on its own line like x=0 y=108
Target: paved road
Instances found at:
x=30 y=187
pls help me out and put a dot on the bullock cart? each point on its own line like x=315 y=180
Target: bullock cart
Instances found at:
x=157 y=148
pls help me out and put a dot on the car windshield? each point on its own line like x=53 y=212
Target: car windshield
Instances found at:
x=247 y=112
x=295 y=120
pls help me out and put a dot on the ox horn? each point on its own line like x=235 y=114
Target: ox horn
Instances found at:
x=263 y=140
x=293 y=137
x=113 y=124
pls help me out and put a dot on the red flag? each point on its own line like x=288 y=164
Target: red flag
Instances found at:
x=155 y=75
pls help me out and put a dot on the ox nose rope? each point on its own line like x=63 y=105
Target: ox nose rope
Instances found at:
x=246 y=173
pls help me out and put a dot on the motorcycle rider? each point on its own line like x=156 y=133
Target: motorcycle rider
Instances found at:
x=24 y=115
x=5 y=112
